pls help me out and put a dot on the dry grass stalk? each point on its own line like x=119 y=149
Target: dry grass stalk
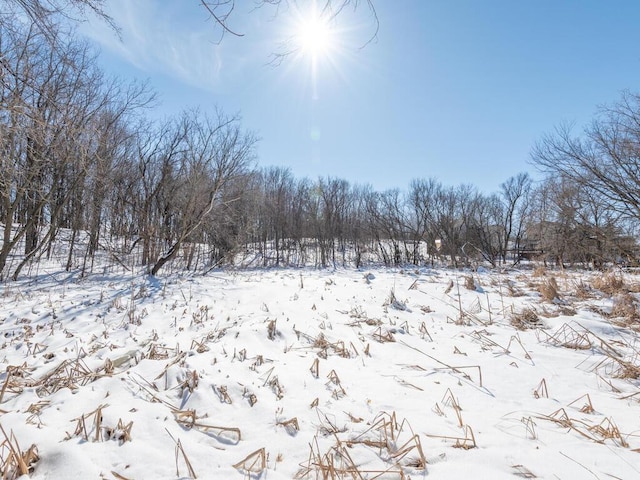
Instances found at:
x=180 y=450
x=424 y=332
x=523 y=472
x=271 y=330
x=315 y=368
x=276 y=388
x=487 y=343
x=255 y=462
x=541 y=390
x=583 y=291
x=199 y=347
x=450 y=400
x=404 y=383
x=457 y=351
x=568 y=337
x=530 y=426
x=384 y=436
x=190 y=383
x=291 y=426
x=15 y=463
x=83 y=431
x=393 y=302
x=549 y=289
x=469 y=283
x=15 y=381
x=513 y=290
x=539 y=271
x=605 y=430
x=119 y=476
x=35 y=409
x=587 y=407
x=457 y=369
x=608 y=430
x=333 y=378
x=625 y=307
x=188 y=419
x=159 y=352
x=449 y=287
x=561 y=418
x=223 y=394
x=438 y=410
x=35 y=348
x=122 y=432
x=383 y=337
x=516 y=339
x=619 y=367
x=467 y=442
x=526 y=319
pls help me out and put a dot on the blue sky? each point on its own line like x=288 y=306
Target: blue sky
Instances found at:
x=458 y=90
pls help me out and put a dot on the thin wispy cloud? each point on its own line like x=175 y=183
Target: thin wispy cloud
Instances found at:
x=160 y=38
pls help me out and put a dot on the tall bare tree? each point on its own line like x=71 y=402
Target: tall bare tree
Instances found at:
x=605 y=157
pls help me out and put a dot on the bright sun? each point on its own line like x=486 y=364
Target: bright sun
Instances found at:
x=314 y=36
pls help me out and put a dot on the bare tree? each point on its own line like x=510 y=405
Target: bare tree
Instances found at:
x=45 y=15
x=605 y=158
x=515 y=194
x=215 y=152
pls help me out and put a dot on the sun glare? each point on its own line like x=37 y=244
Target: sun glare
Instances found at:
x=314 y=36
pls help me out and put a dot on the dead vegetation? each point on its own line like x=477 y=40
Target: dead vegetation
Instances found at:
x=386 y=447
x=548 y=289
x=383 y=447
x=625 y=308
x=14 y=462
x=610 y=283
x=526 y=319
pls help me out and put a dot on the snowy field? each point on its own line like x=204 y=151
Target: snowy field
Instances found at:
x=281 y=374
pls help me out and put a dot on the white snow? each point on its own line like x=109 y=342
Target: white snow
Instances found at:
x=311 y=367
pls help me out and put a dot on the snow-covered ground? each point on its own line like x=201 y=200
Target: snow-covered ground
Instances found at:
x=318 y=374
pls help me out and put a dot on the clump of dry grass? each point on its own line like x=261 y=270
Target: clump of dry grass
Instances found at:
x=609 y=283
x=625 y=306
x=469 y=283
x=583 y=291
x=14 y=463
x=539 y=271
x=526 y=319
x=549 y=289
x=513 y=290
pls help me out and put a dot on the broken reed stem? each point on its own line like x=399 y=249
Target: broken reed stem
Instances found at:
x=255 y=462
x=179 y=449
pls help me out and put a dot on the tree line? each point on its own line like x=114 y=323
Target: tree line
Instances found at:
x=87 y=173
